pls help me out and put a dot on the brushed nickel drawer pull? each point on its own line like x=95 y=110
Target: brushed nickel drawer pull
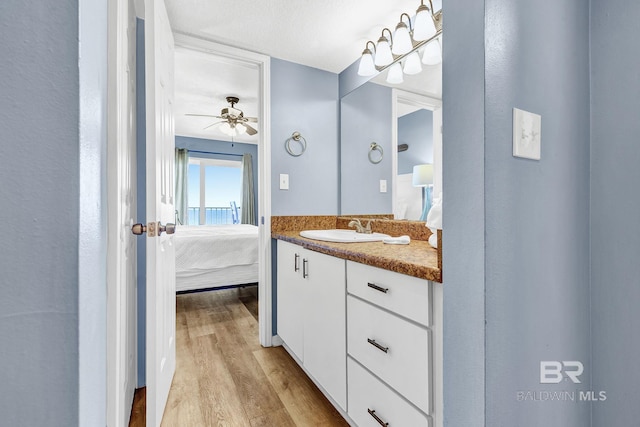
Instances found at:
x=296 y=265
x=377 y=418
x=378 y=288
x=305 y=267
x=378 y=346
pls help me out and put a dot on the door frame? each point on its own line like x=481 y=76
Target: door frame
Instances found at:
x=117 y=406
x=263 y=63
x=427 y=103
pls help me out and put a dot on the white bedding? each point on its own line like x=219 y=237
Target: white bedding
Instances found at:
x=216 y=255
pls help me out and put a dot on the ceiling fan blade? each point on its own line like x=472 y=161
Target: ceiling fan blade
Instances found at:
x=203 y=115
x=252 y=119
x=250 y=130
x=213 y=124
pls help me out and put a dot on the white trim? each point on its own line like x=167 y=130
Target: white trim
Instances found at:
x=409 y=98
x=263 y=62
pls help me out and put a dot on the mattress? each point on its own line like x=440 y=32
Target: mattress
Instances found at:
x=216 y=255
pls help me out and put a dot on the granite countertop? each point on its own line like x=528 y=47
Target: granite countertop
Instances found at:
x=416 y=259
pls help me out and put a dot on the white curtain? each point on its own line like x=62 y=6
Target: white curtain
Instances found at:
x=248 y=194
x=182 y=168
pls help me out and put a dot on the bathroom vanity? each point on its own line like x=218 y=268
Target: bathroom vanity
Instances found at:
x=364 y=320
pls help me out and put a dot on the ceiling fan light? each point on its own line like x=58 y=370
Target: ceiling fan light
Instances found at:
x=423 y=28
x=401 y=40
x=383 y=52
x=432 y=54
x=227 y=129
x=240 y=128
x=412 y=64
x=367 y=67
x=395 y=74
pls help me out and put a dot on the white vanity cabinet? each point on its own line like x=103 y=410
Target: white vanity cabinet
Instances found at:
x=390 y=348
x=312 y=315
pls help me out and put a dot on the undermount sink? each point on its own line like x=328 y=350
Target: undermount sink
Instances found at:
x=342 y=236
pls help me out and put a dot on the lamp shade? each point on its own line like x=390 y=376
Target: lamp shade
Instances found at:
x=395 y=75
x=422 y=175
x=412 y=64
x=240 y=128
x=432 y=54
x=367 y=67
x=401 y=40
x=227 y=129
x=383 y=52
x=423 y=28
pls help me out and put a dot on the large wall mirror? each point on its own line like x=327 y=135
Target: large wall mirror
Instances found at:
x=405 y=120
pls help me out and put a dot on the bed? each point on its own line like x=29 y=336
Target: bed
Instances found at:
x=212 y=256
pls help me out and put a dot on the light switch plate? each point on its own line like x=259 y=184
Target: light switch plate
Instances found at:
x=526 y=134
x=284 y=181
x=383 y=185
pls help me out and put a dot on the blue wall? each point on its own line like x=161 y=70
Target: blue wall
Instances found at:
x=537 y=212
x=463 y=214
x=50 y=138
x=615 y=208
x=365 y=117
x=304 y=99
x=226 y=147
x=141 y=179
x=416 y=130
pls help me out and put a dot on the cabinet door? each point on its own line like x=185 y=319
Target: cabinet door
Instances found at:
x=325 y=323
x=291 y=297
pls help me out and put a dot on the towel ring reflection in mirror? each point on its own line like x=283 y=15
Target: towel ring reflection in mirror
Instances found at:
x=374 y=157
x=296 y=137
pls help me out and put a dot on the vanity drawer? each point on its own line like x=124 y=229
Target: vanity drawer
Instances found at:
x=367 y=394
x=396 y=350
x=408 y=296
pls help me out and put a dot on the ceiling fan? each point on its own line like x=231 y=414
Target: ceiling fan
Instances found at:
x=233 y=120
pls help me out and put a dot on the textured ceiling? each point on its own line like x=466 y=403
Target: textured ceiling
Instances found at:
x=325 y=34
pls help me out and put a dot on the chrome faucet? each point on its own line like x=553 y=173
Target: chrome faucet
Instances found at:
x=359 y=227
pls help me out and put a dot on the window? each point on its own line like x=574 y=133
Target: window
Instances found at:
x=214 y=190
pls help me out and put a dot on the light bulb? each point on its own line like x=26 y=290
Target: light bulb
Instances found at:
x=412 y=64
x=432 y=54
x=423 y=27
x=383 y=52
x=240 y=128
x=395 y=74
x=401 y=40
x=366 y=67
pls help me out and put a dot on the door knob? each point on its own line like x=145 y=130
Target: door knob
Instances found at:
x=169 y=228
x=138 y=229
x=150 y=229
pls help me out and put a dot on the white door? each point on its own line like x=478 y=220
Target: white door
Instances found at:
x=121 y=266
x=161 y=277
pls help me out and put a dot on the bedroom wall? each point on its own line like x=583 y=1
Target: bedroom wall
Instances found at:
x=304 y=99
x=416 y=130
x=211 y=145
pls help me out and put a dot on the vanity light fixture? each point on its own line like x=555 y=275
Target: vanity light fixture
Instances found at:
x=400 y=47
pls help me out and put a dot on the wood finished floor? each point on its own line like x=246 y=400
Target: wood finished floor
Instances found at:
x=225 y=378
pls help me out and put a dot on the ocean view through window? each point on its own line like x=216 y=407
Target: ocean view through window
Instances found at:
x=214 y=191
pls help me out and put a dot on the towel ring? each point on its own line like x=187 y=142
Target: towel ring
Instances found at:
x=295 y=136
x=375 y=158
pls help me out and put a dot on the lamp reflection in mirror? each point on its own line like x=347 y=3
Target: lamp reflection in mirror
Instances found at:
x=423 y=177
x=395 y=74
x=432 y=54
x=412 y=64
